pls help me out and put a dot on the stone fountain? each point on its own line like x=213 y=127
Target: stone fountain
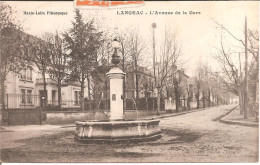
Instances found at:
x=117 y=128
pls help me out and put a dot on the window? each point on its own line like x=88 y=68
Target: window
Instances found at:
x=77 y=97
x=26 y=74
x=23 y=96
x=23 y=74
x=29 y=96
x=29 y=74
x=53 y=99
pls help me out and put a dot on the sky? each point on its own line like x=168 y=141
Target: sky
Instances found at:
x=197 y=34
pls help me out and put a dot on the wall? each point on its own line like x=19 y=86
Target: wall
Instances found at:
x=22 y=116
x=169 y=104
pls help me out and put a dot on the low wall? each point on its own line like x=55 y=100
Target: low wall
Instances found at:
x=0 y=118
x=22 y=116
x=71 y=117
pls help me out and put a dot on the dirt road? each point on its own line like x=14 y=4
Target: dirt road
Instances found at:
x=192 y=137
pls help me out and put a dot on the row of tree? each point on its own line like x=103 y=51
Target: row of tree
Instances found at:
x=239 y=66
x=76 y=54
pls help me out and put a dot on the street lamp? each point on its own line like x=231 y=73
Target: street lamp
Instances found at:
x=115 y=57
x=116 y=76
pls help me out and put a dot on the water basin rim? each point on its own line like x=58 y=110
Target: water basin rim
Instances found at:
x=115 y=122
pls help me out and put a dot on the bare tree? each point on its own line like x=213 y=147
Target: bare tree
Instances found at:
x=166 y=67
x=234 y=79
x=189 y=91
x=40 y=52
x=58 y=61
x=125 y=52
x=136 y=48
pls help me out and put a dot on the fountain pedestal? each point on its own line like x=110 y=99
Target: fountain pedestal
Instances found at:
x=116 y=76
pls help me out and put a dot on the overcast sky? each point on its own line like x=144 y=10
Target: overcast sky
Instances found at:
x=198 y=34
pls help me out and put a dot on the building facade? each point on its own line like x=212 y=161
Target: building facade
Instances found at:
x=26 y=90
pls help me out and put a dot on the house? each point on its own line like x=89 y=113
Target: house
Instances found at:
x=145 y=83
x=26 y=90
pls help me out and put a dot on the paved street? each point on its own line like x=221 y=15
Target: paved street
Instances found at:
x=192 y=137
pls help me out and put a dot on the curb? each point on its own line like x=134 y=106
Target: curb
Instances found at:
x=177 y=114
x=220 y=119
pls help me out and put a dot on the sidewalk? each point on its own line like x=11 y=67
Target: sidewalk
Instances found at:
x=28 y=128
x=234 y=117
x=174 y=114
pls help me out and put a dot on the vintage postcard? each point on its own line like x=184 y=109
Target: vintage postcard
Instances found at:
x=91 y=81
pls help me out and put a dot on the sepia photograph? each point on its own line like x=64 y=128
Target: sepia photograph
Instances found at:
x=91 y=81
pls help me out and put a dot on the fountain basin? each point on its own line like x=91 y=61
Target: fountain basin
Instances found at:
x=116 y=131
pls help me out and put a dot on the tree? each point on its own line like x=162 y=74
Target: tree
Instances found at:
x=39 y=54
x=136 y=48
x=189 y=90
x=12 y=56
x=232 y=75
x=166 y=67
x=177 y=91
x=125 y=51
x=58 y=61
x=83 y=41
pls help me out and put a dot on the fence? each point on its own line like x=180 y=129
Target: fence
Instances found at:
x=28 y=101
x=129 y=104
x=21 y=101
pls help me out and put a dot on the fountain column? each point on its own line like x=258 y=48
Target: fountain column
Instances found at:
x=116 y=76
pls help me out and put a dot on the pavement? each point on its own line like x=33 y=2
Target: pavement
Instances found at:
x=10 y=135
x=191 y=137
x=234 y=117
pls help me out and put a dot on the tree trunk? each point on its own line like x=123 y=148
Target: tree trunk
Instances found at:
x=45 y=89
x=96 y=99
x=2 y=94
x=153 y=98
x=82 y=96
x=240 y=100
x=256 y=90
x=209 y=101
x=184 y=103
x=188 y=103
x=204 y=99
x=59 y=93
x=246 y=74
x=158 y=101
x=243 y=101
x=198 y=100
x=177 y=97
x=136 y=85
x=89 y=94
x=124 y=94
x=146 y=99
x=106 y=107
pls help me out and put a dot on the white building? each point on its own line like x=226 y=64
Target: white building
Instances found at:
x=25 y=90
